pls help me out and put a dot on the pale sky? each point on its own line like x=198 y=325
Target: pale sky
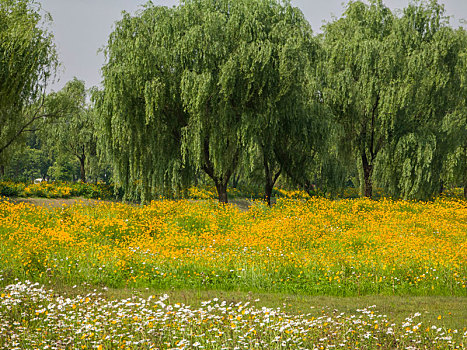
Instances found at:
x=81 y=28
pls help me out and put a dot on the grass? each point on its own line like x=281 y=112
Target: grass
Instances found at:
x=453 y=310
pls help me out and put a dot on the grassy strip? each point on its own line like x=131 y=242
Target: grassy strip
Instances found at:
x=446 y=312
x=33 y=316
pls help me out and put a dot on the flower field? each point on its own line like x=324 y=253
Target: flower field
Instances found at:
x=342 y=248
x=314 y=247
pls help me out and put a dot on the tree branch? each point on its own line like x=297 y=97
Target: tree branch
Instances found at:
x=373 y=121
x=35 y=116
x=277 y=176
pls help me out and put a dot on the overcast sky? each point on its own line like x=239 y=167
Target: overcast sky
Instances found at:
x=81 y=28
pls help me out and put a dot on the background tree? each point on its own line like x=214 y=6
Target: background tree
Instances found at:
x=64 y=168
x=74 y=133
x=28 y=162
x=27 y=62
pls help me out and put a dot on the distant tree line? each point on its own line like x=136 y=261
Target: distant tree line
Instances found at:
x=228 y=91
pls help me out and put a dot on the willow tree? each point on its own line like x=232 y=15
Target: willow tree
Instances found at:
x=360 y=67
x=27 y=62
x=455 y=125
x=290 y=125
x=247 y=76
x=413 y=165
x=390 y=82
x=250 y=79
x=201 y=86
x=140 y=106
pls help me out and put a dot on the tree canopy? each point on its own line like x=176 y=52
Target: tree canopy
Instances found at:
x=360 y=65
x=429 y=91
x=219 y=91
x=27 y=62
x=455 y=124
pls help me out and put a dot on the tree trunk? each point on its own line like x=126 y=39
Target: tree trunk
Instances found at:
x=221 y=181
x=465 y=189
x=221 y=184
x=269 y=185
x=268 y=192
x=221 y=191
x=2 y=171
x=235 y=181
x=367 y=172
x=82 y=170
x=270 y=179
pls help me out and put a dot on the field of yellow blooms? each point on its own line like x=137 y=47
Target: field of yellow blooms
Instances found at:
x=319 y=246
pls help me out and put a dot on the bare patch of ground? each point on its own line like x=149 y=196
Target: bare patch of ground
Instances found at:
x=53 y=202
x=242 y=204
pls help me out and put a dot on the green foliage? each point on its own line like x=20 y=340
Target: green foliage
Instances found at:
x=27 y=61
x=359 y=68
x=455 y=125
x=455 y=163
x=410 y=167
x=140 y=108
x=240 y=91
x=27 y=164
x=63 y=169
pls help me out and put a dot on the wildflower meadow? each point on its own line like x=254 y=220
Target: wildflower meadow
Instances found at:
x=342 y=248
